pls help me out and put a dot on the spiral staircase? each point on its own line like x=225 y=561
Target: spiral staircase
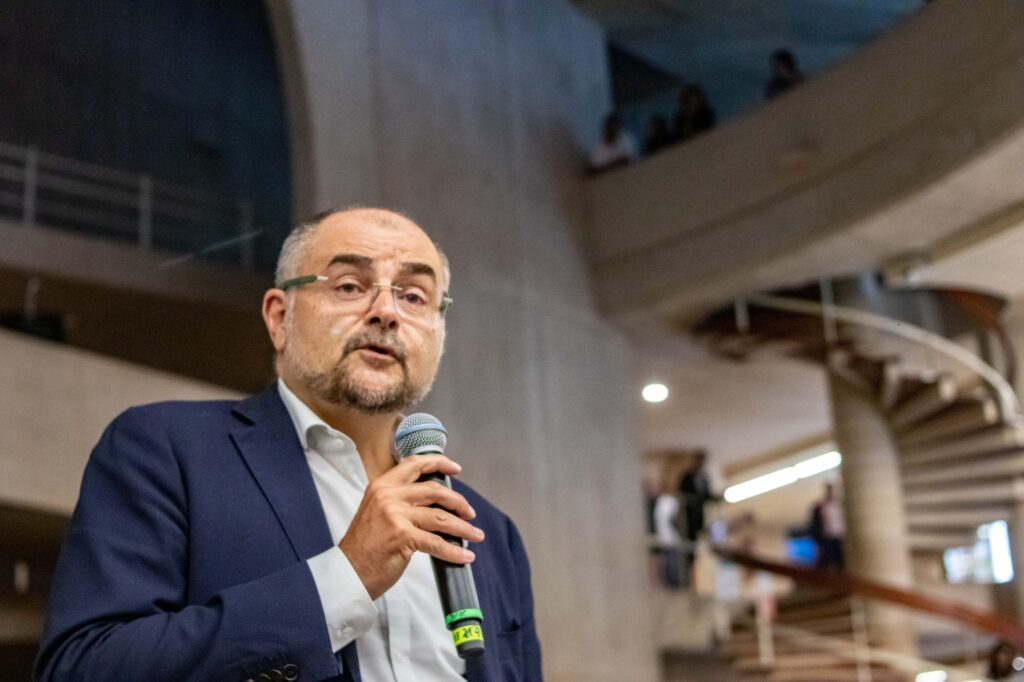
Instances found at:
x=939 y=366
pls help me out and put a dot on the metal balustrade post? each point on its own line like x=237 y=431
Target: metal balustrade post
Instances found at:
x=765 y=641
x=861 y=642
x=247 y=253
x=145 y=212
x=31 y=188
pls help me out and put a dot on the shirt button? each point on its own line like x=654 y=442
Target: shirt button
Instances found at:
x=346 y=631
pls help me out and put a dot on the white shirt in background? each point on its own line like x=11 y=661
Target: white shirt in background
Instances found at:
x=666 y=509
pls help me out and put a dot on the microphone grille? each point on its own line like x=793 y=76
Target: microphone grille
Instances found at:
x=420 y=433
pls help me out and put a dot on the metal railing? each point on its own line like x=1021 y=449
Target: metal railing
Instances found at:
x=857 y=649
x=854 y=644
x=39 y=188
x=831 y=314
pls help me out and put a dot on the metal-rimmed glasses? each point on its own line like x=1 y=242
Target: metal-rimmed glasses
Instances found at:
x=411 y=301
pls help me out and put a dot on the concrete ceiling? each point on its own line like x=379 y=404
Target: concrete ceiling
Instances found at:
x=738 y=411
x=725 y=44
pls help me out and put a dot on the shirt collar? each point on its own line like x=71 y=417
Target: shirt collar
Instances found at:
x=307 y=423
x=305 y=420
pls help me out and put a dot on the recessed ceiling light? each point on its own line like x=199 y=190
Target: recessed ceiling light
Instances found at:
x=655 y=393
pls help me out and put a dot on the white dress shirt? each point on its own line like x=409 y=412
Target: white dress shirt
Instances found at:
x=401 y=637
x=666 y=509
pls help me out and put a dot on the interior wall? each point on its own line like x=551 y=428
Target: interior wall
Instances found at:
x=473 y=118
x=59 y=402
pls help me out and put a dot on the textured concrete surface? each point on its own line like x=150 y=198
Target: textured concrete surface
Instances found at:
x=473 y=118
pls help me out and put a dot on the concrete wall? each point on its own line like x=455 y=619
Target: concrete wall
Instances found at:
x=472 y=117
x=55 y=405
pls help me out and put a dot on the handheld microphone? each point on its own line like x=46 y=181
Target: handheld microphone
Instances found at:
x=422 y=434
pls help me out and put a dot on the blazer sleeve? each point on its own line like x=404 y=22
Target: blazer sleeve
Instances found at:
x=530 y=642
x=118 y=602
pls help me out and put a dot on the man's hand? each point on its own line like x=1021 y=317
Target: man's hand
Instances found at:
x=395 y=519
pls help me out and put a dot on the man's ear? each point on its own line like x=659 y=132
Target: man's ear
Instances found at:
x=275 y=307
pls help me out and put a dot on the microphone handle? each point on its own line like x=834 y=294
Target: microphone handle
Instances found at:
x=459 y=601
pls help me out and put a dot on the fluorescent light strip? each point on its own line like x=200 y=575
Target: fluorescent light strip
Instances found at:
x=782 y=477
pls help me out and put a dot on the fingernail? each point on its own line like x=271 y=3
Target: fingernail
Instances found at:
x=479 y=535
x=472 y=512
x=468 y=556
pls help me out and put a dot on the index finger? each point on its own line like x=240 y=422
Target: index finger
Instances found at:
x=412 y=467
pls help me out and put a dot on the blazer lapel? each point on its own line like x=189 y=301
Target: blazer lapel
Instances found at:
x=266 y=438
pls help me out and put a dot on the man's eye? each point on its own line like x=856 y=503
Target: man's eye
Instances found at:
x=414 y=298
x=348 y=288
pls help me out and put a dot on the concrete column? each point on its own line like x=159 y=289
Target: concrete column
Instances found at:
x=876 y=535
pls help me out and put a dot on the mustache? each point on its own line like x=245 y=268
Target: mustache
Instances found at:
x=373 y=337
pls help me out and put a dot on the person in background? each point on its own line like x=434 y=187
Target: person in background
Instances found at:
x=693 y=114
x=666 y=536
x=658 y=136
x=695 y=492
x=616 y=148
x=828 y=527
x=785 y=74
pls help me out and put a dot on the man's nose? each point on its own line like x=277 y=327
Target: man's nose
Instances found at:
x=383 y=308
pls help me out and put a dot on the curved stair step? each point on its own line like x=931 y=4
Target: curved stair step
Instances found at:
x=955 y=519
x=995 y=466
x=847 y=674
x=999 y=438
x=938 y=463
x=933 y=398
x=937 y=541
x=999 y=491
x=806 y=659
x=962 y=417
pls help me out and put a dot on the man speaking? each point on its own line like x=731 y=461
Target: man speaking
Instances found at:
x=280 y=538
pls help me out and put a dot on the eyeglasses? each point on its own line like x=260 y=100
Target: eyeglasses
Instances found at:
x=411 y=301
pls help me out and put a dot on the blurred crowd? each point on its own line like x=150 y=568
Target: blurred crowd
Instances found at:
x=693 y=115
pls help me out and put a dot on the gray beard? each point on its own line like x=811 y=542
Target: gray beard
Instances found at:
x=339 y=387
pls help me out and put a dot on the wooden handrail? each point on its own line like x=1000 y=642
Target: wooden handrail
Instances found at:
x=1006 y=629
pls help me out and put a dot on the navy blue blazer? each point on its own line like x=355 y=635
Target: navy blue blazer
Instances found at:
x=185 y=559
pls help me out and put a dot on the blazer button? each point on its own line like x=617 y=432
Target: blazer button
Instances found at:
x=291 y=672
x=275 y=675
x=263 y=677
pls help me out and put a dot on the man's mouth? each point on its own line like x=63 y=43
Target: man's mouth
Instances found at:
x=381 y=351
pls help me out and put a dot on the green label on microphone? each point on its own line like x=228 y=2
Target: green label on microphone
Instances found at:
x=463 y=614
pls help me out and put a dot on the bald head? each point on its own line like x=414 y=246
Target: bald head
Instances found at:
x=296 y=246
